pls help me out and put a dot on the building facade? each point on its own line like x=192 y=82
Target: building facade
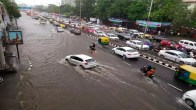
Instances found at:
x=191 y=3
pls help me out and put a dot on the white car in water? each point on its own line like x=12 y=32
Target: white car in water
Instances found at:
x=190 y=98
x=59 y=29
x=126 y=52
x=137 y=44
x=81 y=60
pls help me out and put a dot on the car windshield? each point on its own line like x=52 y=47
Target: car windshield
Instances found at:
x=90 y=60
x=184 y=55
x=139 y=43
x=131 y=50
x=112 y=35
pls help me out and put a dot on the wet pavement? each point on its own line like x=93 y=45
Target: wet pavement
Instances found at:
x=48 y=82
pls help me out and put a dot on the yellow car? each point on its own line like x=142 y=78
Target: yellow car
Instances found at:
x=147 y=36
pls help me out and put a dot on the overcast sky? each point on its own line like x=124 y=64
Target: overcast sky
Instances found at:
x=38 y=2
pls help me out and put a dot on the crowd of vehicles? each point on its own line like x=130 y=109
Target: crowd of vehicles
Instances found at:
x=182 y=52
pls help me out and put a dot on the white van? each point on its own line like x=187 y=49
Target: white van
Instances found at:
x=188 y=44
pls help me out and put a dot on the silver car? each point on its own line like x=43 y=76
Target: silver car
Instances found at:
x=177 y=56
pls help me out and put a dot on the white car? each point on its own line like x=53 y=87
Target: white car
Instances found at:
x=137 y=44
x=81 y=60
x=126 y=52
x=59 y=29
x=190 y=98
x=42 y=21
x=177 y=56
x=99 y=33
x=112 y=36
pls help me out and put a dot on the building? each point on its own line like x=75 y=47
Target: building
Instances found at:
x=4 y=26
x=191 y=3
x=70 y=2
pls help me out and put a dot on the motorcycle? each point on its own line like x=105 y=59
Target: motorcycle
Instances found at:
x=144 y=70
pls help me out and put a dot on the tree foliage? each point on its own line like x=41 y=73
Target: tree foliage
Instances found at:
x=11 y=8
x=53 y=8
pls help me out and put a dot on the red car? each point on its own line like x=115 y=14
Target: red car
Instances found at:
x=171 y=44
x=89 y=30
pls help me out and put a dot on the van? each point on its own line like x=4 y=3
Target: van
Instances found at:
x=188 y=44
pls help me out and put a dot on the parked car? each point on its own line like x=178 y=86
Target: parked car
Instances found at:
x=81 y=60
x=171 y=44
x=137 y=35
x=137 y=44
x=188 y=44
x=89 y=30
x=190 y=98
x=121 y=29
x=112 y=36
x=59 y=29
x=75 y=31
x=124 y=35
x=126 y=52
x=99 y=33
x=177 y=56
x=159 y=38
x=148 y=42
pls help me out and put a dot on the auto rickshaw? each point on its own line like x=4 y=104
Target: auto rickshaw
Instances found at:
x=63 y=26
x=186 y=73
x=103 y=40
x=147 y=36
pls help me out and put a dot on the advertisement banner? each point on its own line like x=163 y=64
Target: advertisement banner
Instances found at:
x=15 y=37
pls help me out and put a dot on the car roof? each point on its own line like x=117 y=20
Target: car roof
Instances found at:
x=187 y=41
x=127 y=48
x=174 y=51
x=84 y=57
x=136 y=40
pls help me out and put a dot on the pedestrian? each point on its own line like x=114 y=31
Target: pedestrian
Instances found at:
x=159 y=33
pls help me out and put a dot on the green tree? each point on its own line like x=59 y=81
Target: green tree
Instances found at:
x=87 y=8
x=66 y=9
x=137 y=10
x=53 y=8
x=11 y=8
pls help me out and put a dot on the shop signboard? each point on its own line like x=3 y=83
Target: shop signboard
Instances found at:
x=15 y=37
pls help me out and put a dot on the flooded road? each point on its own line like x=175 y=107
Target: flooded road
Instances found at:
x=48 y=82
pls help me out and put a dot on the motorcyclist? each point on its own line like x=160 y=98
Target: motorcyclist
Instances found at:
x=92 y=47
x=150 y=73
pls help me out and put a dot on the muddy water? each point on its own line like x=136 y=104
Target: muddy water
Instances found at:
x=52 y=83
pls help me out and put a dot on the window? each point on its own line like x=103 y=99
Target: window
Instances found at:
x=134 y=43
x=79 y=59
x=90 y=60
x=191 y=44
x=131 y=50
x=186 y=43
x=123 y=50
x=170 y=53
x=181 y=41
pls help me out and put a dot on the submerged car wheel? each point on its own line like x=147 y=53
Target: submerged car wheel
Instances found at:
x=124 y=57
x=162 y=56
x=189 y=102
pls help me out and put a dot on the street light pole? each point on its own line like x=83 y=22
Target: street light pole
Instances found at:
x=147 y=22
x=80 y=10
x=148 y=16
